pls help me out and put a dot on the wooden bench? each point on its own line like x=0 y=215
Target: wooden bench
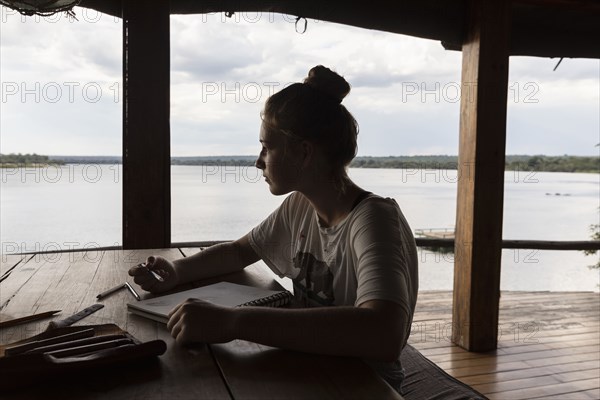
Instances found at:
x=425 y=380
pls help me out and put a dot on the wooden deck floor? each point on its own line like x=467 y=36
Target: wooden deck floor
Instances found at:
x=549 y=345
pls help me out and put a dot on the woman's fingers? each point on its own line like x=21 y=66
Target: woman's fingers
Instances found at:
x=137 y=270
x=178 y=319
x=176 y=325
x=149 y=285
x=174 y=317
x=177 y=329
x=140 y=275
x=144 y=274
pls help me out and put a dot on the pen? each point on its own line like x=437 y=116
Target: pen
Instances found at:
x=112 y=290
x=125 y=285
x=22 y=320
x=154 y=274
x=132 y=290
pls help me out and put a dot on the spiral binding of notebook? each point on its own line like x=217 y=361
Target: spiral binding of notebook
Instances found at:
x=275 y=300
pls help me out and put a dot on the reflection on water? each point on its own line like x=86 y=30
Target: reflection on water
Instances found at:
x=80 y=205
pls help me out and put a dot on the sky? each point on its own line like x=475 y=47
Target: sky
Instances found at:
x=61 y=87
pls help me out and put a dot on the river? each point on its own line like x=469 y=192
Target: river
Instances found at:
x=77 y=206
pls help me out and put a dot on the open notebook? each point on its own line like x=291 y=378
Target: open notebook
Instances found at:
x=222 y=293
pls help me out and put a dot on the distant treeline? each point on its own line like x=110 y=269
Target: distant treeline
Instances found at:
x=218 y=160
x=556 y=164
x=26 y=159
x=513 y=162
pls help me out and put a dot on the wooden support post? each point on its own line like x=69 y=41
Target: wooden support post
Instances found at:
x=481 y=157
x=146 y=132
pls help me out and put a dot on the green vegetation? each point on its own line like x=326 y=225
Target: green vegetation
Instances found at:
x=555 y=164
x=513 y=162
x=595 y=229
x=217 y=160
x=25 y=160
x=406 y=162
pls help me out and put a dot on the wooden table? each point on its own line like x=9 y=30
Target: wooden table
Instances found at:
x=235 y=370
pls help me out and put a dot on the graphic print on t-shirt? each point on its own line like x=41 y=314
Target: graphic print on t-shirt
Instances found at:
x=314 y=282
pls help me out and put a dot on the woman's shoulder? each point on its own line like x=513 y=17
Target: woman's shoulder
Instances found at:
x=295 y=203
x=380 y=214
x=296 y=199
x=377 y=209
x=376 y=202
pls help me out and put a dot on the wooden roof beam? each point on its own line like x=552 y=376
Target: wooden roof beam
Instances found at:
x=543 y=28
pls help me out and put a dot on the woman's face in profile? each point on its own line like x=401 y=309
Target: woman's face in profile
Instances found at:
x=279 y=161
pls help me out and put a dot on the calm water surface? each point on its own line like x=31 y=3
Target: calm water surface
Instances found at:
x=80 y=206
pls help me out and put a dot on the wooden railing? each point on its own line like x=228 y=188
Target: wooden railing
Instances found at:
x=522 y=244
x=579 y=245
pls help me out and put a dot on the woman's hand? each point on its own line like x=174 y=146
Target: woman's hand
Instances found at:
x=163 y=267
x=199 y=321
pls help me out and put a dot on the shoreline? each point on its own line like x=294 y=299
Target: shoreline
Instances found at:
x=513 y=162
x=414 y=166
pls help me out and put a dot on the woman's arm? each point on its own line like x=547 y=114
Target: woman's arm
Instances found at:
x=372 y=330
x=216 y=260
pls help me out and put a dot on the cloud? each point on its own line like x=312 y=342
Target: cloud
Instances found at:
x=542 y=69
x=404 y=88
x=208 y=53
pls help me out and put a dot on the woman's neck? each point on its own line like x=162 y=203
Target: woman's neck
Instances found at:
x=331 y=205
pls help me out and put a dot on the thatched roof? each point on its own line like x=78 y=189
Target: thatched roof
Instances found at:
x=546 y=28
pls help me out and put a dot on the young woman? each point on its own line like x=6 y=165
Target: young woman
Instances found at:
x=350 y=253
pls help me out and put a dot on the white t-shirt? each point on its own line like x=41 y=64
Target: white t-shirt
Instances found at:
x=370 y=255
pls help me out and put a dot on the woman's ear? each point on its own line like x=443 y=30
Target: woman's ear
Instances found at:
x=308 y=153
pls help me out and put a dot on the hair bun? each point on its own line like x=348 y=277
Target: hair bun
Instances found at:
x=328 y=82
